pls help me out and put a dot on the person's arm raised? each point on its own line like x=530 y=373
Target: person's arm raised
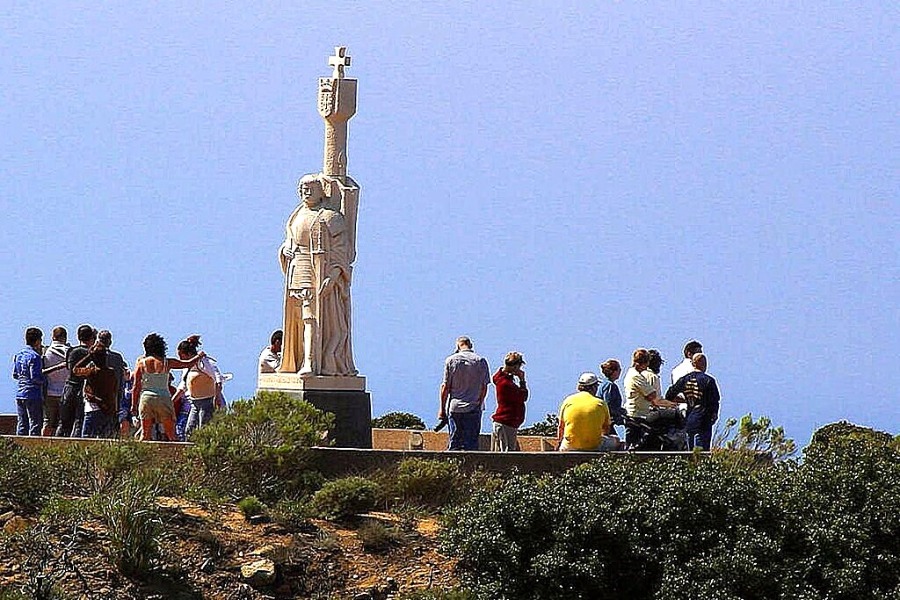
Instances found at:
x=175 y=363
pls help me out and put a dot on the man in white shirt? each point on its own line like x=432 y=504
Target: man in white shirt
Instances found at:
x=270 y=357
x=55 y=354
x=684 y=367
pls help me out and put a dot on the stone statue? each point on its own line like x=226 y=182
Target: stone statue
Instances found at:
x=316 y=261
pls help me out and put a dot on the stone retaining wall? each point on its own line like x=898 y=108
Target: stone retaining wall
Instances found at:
x=334 y=462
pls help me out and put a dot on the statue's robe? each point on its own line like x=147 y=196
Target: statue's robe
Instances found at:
x=319 y=239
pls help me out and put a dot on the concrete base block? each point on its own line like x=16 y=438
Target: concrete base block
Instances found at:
x=352 y=412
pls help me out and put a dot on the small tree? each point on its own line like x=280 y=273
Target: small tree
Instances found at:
x=260 y=446
x=753 y=444
x=547 y=428
x=398 y=420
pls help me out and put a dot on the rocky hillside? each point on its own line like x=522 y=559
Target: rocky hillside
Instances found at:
x=211 y=551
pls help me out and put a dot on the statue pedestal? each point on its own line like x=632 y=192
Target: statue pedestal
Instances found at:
x=345 y=397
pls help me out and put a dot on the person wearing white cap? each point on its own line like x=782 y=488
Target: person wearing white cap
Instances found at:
x=584 y=419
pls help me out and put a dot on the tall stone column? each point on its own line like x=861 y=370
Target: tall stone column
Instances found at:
x=337 y=104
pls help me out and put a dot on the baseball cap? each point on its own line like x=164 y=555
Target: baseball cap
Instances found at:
x=588 y=379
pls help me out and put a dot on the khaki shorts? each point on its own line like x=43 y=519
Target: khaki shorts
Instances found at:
x=154 y=407
x=607 y=443
x=51 y=412
x=503 y=438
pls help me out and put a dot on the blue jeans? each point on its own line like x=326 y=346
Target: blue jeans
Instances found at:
x=30 y=416
x=464 y=430
x=96 y=424
x=699 y=431
x=201 y=414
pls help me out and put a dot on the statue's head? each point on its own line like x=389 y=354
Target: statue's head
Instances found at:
x=310 y=189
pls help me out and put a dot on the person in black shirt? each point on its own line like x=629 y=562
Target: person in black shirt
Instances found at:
x=702 y=394
x=71 y=404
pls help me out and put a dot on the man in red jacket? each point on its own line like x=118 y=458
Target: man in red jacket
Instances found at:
x=511 y=397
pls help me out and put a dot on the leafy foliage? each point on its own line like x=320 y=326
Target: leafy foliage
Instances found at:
x=260 y=446
x=398 y=420
x=546 y=428
x=23 y=477
x=423 y=483
x=824 y=527
x=342 y=498
x=756 y=437
x=251 y=506
x=845 y=500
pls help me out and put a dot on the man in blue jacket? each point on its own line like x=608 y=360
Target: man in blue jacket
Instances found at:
x=27 y=366
x=702 y=394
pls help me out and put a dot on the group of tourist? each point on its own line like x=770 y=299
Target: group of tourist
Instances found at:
x=88 y=390
x=587 y=418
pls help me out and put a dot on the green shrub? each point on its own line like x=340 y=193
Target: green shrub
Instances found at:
x=398 y=420
x=260 y=447
x=844 y=504
x=750 y=444
x=547 y=428
x=376 y=537
x=251 y=506
x=618 y=527
x=133 y=524
x=64 y=511
x=292 y=514
x=342 y=498
x=23 y=477
x=97 y=468
x=425 y=483
x=824 y=527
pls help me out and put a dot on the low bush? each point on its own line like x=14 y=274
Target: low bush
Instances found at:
x=260 y=447
x=340 y=499
x=97 y=468
x=619 y=528
x=292 y=514
x=133 y=525
x=398 y=420
x=23 y=477
x=424 y=483
x=376 y=537
x=824 y=527
x=65 y=511
x=251 y=506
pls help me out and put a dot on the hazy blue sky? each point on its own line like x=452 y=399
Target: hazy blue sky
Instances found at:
x=569 y=179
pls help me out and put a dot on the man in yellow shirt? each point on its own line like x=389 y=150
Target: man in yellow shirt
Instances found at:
x=584 y=420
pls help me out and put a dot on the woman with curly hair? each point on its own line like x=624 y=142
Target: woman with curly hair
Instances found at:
x=151 y=397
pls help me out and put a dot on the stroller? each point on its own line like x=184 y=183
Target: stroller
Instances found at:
x=661 y=430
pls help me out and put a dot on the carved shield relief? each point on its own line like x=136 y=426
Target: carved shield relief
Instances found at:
x=326 y=97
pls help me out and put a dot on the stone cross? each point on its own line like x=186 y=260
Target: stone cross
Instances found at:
x=339 y=61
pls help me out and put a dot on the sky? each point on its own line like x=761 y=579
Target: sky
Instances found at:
x=571 y=180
